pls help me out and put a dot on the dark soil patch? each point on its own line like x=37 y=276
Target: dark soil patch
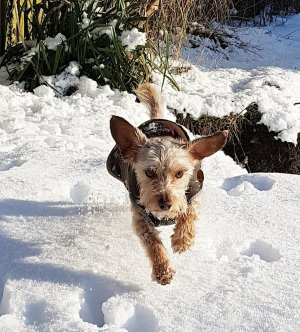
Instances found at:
x=251 y=144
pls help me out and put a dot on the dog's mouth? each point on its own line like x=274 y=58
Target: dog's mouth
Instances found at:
x=164 y=214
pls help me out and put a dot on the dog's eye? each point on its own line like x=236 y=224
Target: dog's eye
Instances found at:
x=150 y=173
x=179 y=174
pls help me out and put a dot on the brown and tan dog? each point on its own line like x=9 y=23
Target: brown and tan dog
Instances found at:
x=160 y=167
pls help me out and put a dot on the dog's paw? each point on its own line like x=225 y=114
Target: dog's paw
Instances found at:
x=163 y=274
x=181 y=244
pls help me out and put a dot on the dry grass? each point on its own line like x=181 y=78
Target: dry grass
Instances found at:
x=176 y=17
x=208 y=11
x=207 y=125
x=250 y=9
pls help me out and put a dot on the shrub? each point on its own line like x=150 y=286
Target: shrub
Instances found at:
x=92 y=33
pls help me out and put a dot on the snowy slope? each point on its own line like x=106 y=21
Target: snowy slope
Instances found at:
x=69 y=259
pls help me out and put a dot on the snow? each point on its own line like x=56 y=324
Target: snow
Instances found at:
x=52 y=43
x=269 y=77
x=70 y=260
x=133 y=38
x=224 y=91
x=79 y=192
x=85 y=21
x=262 y=46
x=62 y=82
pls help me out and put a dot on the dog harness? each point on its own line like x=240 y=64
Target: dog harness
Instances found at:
x=123 y=171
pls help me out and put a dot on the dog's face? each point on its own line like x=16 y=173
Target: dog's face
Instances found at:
x=163 y=165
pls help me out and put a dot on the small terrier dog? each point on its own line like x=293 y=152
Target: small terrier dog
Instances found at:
x=161 y=169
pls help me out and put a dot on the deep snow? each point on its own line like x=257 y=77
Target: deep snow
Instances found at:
x=69 y=259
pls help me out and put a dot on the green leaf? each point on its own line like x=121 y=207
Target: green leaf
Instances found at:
x=57 y=60
x=42 y=50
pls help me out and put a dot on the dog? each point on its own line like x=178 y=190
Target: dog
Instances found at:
x=161 y=169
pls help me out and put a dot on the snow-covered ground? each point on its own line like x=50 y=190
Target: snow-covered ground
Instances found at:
x=265 y=72
x=275 y=45
x=69 y=259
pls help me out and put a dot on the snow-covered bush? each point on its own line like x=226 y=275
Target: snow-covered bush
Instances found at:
x=105 y=38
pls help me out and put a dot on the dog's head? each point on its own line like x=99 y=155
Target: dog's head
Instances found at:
x=163 y=165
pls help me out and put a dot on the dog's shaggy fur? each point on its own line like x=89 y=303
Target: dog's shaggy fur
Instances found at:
x=163 y=168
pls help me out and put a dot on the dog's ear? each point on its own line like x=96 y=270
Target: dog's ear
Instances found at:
x=128 y=138
x=206 y=146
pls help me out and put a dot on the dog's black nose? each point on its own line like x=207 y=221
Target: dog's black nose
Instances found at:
x=164 y=205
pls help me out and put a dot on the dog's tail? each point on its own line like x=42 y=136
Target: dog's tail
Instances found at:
x=149 y=95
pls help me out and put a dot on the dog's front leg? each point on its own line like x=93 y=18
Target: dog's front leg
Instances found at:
x=148 y=235
x=184 y=231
